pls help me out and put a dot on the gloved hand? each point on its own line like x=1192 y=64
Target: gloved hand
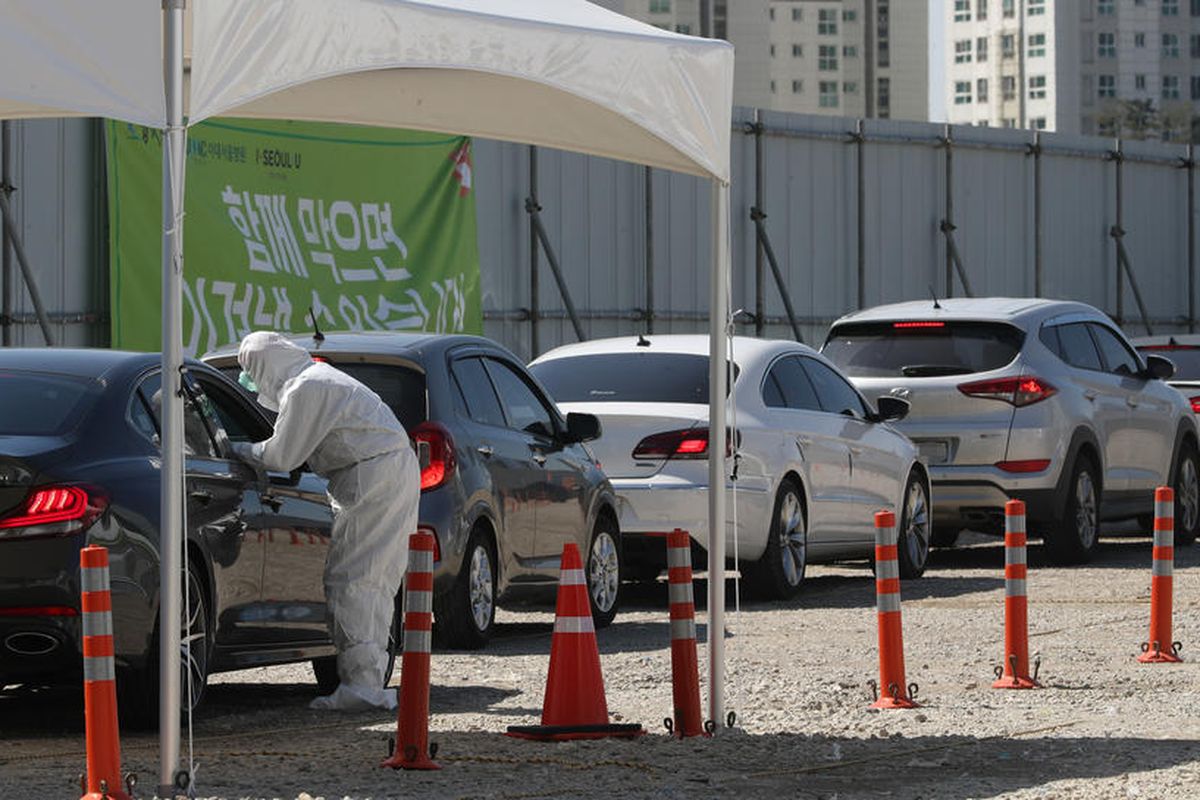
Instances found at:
x=244 y=451
x=348 y=697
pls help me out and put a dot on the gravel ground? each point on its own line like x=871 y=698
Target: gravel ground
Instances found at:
x=1104 y=726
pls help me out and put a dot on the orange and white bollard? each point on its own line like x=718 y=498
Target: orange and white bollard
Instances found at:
x=99 y=679
x=412 y=718
x=685 y=670
x=1160 y=648
x=893 y=691
x=1014 y=674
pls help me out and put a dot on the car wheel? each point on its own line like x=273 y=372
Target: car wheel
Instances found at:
x=604 y=572
x=944 y=537
x=915 y=529
x=779 y=573
x=1073 y=538
x=466 y=614
x=325 y=668
x=1187 y=496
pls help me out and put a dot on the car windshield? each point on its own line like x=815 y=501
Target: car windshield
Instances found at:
x=626 y=378
x=43 y=403
x=922 y=349
x=1185 y=358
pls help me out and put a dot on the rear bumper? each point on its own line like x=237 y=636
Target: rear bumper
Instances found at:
x=974 y=497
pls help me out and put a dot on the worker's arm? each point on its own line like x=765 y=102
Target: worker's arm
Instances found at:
x=306 y=416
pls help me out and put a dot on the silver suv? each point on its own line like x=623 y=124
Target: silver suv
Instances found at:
x=1040 y=400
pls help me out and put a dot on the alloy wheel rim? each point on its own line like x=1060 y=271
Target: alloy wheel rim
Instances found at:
x=916 y=529
x=793 y=539
x=193 y=644
x=1189 y=494
x=1085 y=509
x=604 y=571
x=481 y=588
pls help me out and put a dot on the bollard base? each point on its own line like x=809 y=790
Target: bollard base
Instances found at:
x=1009 y=682
x=111 y=794
x=1159 y=657
x=895 y=702
x=398 y=761
x=560 y=733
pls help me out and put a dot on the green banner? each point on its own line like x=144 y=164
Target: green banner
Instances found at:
x=371 y=228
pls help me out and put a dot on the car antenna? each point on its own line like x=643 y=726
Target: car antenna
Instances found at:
x=317 y=335
x=933 y=294
x=642 y=341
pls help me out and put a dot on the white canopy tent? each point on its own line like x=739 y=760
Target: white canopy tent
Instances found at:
x=559 y=73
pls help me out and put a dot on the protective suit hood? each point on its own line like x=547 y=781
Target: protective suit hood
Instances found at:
x=271 y=361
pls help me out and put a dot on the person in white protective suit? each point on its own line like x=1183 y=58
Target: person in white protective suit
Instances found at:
x=349 y=436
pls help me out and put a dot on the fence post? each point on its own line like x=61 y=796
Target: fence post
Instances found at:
x=1035 y=150
x=948 y=222
x=649 y=192
x=860 y=146
x=1190 y=165
x=531 y=204
x=760 y=300
x=1118 y=158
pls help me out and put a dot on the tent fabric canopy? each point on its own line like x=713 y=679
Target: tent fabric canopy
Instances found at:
x=560 y=73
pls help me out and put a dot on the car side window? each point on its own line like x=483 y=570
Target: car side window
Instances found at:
x=1118 y=358
x=526 y=411
x=139 y=416
x=196 y=439
x=834 y=392
x=1076 y=346
x=239 y=424
x=792 y=387
x=480 y=397
x=1049 y=336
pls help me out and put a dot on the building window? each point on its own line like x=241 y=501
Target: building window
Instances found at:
x=883 y=97
x=1170 y=45
x=1195 y=45
x=981 y=90
x=797 y=50
x=797 y=87
x=827 y=22
x=962 y=10
x=1106 y=8
x=1037 y=87
x=1106 y=45
x=1008 y=87
x=981 y=9
x=1036 y=48
x=1035 y=8
x=983 y=123
x=850 y=51
x=771 y=14
x=1196 y=8
x=1107 y=86
x=1008 y=45
x=772 y=86
x=797 y=14
x=1139 y=40
x=1170 y=8
x=829 y=94
x=1139 y=82
x=849 y=87
x=981 y=49
x=1008 y=122
x=1170 y=87
x=962 y=93
x=1196 y=87
x=683 y=28
x=1038 y=123
x=827 y=58
x=850 y=16
x=1009 y=8
x=660 y=6
x=962 y=51
x=772 y=51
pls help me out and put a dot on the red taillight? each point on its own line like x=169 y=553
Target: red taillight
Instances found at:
x=918 y=324
x=1017 y=391
x=435 y=452
x=1028 y=465
x=437 y=546
x=1167 y=347
x=682 y=444
x=1195 y=401
x=53 y=510
x=38 y=611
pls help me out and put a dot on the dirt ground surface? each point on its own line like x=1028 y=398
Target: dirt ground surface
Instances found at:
x=1104 y=726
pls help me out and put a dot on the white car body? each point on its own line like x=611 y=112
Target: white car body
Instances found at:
x=846 y=465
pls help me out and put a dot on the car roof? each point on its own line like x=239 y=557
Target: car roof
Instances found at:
x=744 y=347
x=376 y=342
x=978 y=309
x=93 y=363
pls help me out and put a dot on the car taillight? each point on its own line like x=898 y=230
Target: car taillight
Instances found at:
x=1195 y=401
x=54 y=511
x=435 y=452
x=1028 y=465
x=437 y=546
x=1017 y=391
x=918 y=325
x=38 y=611
x=681 y=444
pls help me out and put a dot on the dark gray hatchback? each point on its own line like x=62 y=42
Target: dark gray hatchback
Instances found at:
x=506 y=481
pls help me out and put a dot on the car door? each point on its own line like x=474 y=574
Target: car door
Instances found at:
x=292 y=519
x=876 y=469
x=509 y=460
x=794 y=412
x=219 y=510
x=560 y=510
x=1149 y=436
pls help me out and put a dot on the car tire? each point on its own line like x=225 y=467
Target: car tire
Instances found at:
x=1187 y=495
x=604 y=573
x=779 y=573
x=139 y=692
x=466 y=614
x=1073 y=538
x=325 y=668
x=944 y=537
x=914 y=535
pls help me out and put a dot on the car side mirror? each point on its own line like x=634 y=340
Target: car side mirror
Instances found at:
x=582 y=427
x=1159 y=368
x=891 y=409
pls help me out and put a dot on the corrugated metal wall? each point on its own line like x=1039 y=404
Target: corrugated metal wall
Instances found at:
x=595 y=215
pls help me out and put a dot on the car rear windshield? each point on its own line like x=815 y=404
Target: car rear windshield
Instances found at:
x=626 y=378
x=43 y=403
x=401 y=388
x=918 y=349
x=1185 y=358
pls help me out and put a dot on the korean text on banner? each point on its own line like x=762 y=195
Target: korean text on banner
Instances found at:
x=373 y=229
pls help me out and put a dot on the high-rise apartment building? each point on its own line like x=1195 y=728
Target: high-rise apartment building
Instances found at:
x=1074 y=66
x=837 y=57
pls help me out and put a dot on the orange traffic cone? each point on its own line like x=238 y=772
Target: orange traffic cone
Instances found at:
x=893 y=691
x=1015 y=672
x=412 y=718
x=99 y=679
x=1161 y=649
x=685 y=671
x=574 y=706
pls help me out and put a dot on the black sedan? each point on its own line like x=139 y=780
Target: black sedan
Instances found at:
x=80 y=464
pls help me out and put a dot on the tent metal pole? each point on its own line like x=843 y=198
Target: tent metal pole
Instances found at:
x=717 y=373
x=171 y=533
x=648 y=172
x=13 y=239
x=531 y=202
x=6 y=302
